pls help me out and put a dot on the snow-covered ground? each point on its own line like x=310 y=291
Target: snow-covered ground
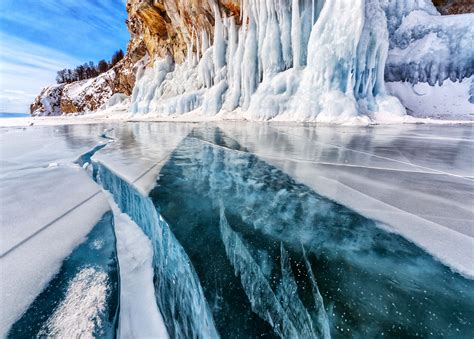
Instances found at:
x=451 y=100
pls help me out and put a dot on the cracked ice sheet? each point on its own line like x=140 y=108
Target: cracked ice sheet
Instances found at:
x=139 y=313
x=140 y=150
x=416 y=179
x=48 y=206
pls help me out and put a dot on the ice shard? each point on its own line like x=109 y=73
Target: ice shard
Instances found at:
x=178 y=291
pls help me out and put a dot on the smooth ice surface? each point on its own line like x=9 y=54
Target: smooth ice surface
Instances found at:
x=255 y=229
x=264 y=244
x=417 y=179
x=139 y=150
x=45 y=199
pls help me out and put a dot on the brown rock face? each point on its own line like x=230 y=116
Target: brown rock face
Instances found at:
x=454 y=6
x=167 y=27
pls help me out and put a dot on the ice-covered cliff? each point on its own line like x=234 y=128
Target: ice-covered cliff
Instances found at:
x=303 y=60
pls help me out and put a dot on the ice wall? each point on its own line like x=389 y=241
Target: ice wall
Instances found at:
x=310 y=60
x=431 y=48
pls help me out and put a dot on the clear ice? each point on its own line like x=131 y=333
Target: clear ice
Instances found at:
x=239 y=248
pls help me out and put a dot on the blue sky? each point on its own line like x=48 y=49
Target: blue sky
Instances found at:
x=40 y=37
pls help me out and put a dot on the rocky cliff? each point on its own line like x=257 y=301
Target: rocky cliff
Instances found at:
x=157 y=28
x=89 y=95
x=454 y=6
x=180 y=30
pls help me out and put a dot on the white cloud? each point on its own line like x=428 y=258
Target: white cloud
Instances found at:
x=25 y=68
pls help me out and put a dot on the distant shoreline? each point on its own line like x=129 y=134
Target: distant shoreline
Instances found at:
x=13 y=115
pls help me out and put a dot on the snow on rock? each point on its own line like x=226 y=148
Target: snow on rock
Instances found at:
x=48 y=102
x=432 y=48
x=92 y=94
x=77 y=97
x=431 y=62
x=87 y=95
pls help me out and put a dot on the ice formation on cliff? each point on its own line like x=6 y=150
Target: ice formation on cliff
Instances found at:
x=430 y=63
x=293 y=60
x=290 y=60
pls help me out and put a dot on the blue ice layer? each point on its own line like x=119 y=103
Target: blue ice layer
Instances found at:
x=177 y=288
x=246 y=251
x=274 y=258
x=82 y=300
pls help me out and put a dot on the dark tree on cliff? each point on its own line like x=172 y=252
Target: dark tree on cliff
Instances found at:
x=102 y=66
x=61 y=78
x=116 y=58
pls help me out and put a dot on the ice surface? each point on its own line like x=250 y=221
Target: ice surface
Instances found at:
x=243 y=232
x=370 y=279
x=139 y=151
x=411 y=178
x=82 y=300
x=284 y=311
x=35 y=209
x=139 y=313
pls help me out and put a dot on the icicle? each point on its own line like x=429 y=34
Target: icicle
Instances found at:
x=296 y=33
x=250 y=70
x=271 y=53
x=335 y=69
x=219 y=42
x=204 y=42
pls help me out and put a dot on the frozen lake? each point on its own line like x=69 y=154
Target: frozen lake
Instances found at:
x=251 y=229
